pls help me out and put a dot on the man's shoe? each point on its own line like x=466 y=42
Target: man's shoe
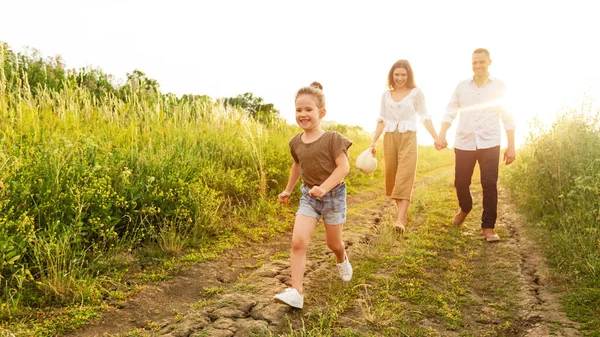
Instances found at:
x=490 y=235
x=459 y=218
x=345 y=269
x=291 y=297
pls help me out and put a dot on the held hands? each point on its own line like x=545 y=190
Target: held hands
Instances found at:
x=440 y=142
x=317 y=192
x=509 y=155
x=284 y=196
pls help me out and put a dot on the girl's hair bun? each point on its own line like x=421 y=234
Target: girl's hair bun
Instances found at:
x=315 y=89
x=317 y=85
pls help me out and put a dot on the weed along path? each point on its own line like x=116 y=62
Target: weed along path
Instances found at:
x=435 y=280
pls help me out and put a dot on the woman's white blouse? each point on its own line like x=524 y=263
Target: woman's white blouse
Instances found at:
x=403 y=115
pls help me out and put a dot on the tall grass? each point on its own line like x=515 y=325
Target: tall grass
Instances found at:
x=556 y=182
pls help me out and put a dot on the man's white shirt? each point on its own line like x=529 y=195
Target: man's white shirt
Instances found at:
x=481 y=109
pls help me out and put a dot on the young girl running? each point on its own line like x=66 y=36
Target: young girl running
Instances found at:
x=321 y=160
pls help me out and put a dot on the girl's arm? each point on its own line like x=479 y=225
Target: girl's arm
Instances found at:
x=292 y=180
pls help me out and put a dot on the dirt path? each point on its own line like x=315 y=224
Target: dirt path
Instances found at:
x=540 y=311
x=233 y=296
x=163 y=303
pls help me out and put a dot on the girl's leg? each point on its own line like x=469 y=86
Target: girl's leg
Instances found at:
x=304 y=226
x=333 y=237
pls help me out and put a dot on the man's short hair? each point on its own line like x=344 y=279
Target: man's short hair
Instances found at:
x=482 y=50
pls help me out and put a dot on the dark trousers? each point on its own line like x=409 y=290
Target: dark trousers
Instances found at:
x=489 y=160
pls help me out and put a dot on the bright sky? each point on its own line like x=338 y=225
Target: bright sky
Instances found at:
x=546 y=51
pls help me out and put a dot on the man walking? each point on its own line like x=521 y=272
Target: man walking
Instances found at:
x=478 y=100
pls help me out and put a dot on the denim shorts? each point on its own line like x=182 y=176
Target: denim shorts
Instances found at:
x=332 y=206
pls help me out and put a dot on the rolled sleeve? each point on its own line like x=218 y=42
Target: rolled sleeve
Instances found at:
x=448 y=118
x=505 y=111
x=508 y=120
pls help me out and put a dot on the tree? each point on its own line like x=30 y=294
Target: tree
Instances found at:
x=254 y=106
x=140 y=83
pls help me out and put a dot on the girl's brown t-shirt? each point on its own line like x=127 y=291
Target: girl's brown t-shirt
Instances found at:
x=316 y=160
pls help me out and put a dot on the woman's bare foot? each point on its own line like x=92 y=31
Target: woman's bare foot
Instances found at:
x=400 y=226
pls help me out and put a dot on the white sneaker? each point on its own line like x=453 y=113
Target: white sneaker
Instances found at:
x=291 y=297
x=345 y=269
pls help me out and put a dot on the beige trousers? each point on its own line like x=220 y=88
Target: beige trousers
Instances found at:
x=400 y=156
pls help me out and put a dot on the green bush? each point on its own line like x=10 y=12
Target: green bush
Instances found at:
x=556 y=182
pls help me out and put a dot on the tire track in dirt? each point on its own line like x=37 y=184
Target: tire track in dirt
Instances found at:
x=537 y=311
x=540 y=313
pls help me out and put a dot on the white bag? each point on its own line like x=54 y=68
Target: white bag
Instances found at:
x=366 y=162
